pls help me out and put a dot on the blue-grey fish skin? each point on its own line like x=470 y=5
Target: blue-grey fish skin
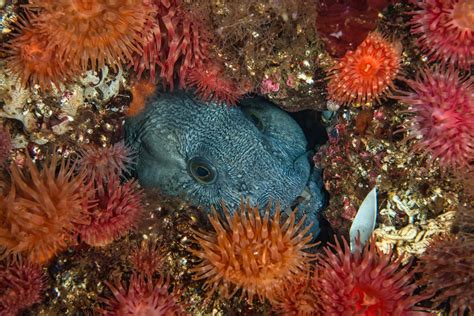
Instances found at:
x=206 y=153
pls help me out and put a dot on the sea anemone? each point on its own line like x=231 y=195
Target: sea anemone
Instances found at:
x=445 y=30
x=143 y=297
x=93 y=33
x=212 y=85
x=298 y=297
x=21 y=285
x=33 y=61
x=251 y=253
x=147 y=258
x=174 y=39
x=367 y=73
x=442 y=105
x=116 y=209
x=5 y=145
x=102 y=163
x=447 y=272
x=38 y=216
x=365 y=282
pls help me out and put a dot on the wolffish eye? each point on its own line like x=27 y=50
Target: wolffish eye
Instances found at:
x=202 y=170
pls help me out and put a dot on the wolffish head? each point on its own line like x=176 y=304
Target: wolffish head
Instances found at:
x=207 y=153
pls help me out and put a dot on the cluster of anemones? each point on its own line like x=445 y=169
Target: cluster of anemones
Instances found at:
x=363 y=282
x=251 y=253
x=40 y=213
x=56 y=40
x=115 y=207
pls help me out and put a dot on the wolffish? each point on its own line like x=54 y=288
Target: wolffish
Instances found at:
x=206 y=153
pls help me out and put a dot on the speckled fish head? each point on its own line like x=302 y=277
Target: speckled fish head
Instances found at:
x=208 y=153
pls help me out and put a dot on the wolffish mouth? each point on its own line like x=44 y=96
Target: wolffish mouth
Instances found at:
x=304 y=196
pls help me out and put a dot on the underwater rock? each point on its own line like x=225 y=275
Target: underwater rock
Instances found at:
x=206 y=153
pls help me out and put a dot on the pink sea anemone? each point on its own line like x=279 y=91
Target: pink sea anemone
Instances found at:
x=21 y=286
x=116 y=210
x=442 y=104
x=101 y=163
x=445 y=30
x=175 y=42
x=144 y=296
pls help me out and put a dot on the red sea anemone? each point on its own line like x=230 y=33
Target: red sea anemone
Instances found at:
x=142 y=297
x=251 y=253
x=147 y=258
x=101 y=163
x=447 y=272
x=367 y=73
x=445 y=30
x=33 y=60
x=21 y=286
x=39 y=214
x=365 y=282
x=212 y=85
x=442 y=105
x=174 y=40
x=116 y=209
x=93 y=33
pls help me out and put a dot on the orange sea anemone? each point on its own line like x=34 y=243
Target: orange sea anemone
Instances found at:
x=365 y=282
x=366 y=74
x=92 y=33
x=251 y=253
x=33 y=61
x=39 y=214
